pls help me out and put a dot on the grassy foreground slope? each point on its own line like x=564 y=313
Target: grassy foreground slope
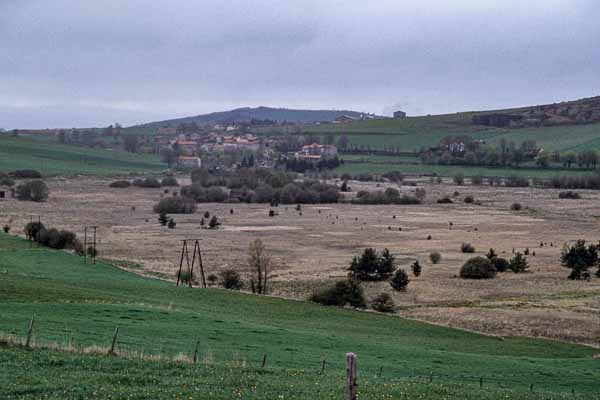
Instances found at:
x=52 y=158
x=82 y=304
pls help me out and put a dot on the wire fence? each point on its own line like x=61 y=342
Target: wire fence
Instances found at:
x=373 y=381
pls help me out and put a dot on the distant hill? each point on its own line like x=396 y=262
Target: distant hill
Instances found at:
x=246 y=114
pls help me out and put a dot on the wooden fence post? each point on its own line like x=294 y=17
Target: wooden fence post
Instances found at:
x=29 y=332
x=323 y=367
x=350 y=376
x=264 y=361
x=196 y=352
x=114 y=342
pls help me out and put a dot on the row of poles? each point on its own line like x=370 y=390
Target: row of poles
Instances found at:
x=185 y=256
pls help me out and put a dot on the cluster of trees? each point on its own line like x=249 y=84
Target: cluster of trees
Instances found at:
x=302 y=166
x=52 y=237
x=389 y=196
x=257 y=186
x=35 y=190
x=487 y=267
x=579 y=258
x=369 y=266
x=146 y=183
x=463 y=150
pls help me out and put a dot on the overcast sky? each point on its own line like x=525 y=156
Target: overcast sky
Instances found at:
x=67 y=63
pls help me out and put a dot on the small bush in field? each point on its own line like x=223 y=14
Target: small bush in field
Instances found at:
x=212 y=279
x=6 y=228
x=383 y=302
x=171 y=224
x=35 y=190
x=186 y=277
x=147 y=183
x=399 y=280
x=416 y=268
x=501 y=264
x=120 y=184
x=435 y=257
x=516 y=206
x=342 y=293
x=230 y=279
x=214 y=222
x=518 y=263
x=478 y=268
x=467 y=248
x=169 y=181
x=469 y=199
x=445 y=200
x=175 y=205
x=569 y=195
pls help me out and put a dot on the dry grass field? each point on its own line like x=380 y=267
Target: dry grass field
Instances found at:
x=316 y=245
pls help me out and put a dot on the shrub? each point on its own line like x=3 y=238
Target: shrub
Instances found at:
x=214 y=222
x=271 y=213
x=120 y=184
x=435 y=257
x=400 y=280
x=215 y=195
x=569 y=195
x=25 y=174
x=467 y=248
x=342 y=293
x=445 y=200
x=469 y=199
x=6 y=228
x=518 y=263
x=459 y=179
x=383 y=302
x=32 y=229
x=516 y=206
x=32 y=191
x=230 y=279
x=371 y=266
x=478 y=268
x=186 y=276
x=501 y=264
x=163 y=219
x=175 y=205
x=212 y=279
x=92 y=252
x=169 y=181
x=147 y=183
x=416 y=268
x=579 y=259
x=171 y=224
x=6 y=181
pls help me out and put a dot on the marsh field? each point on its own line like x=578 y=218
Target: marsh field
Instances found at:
x=315 y=245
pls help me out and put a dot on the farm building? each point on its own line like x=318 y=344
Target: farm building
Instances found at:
x=316 y=152
x=399 y=114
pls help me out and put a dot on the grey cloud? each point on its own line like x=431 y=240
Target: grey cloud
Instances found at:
x=137 y=60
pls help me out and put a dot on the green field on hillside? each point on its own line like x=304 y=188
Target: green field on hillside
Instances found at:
x=51 y=158
x=415 y=132
x=83 y=303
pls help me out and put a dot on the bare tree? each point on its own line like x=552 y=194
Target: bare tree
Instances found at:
x=259 y=262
